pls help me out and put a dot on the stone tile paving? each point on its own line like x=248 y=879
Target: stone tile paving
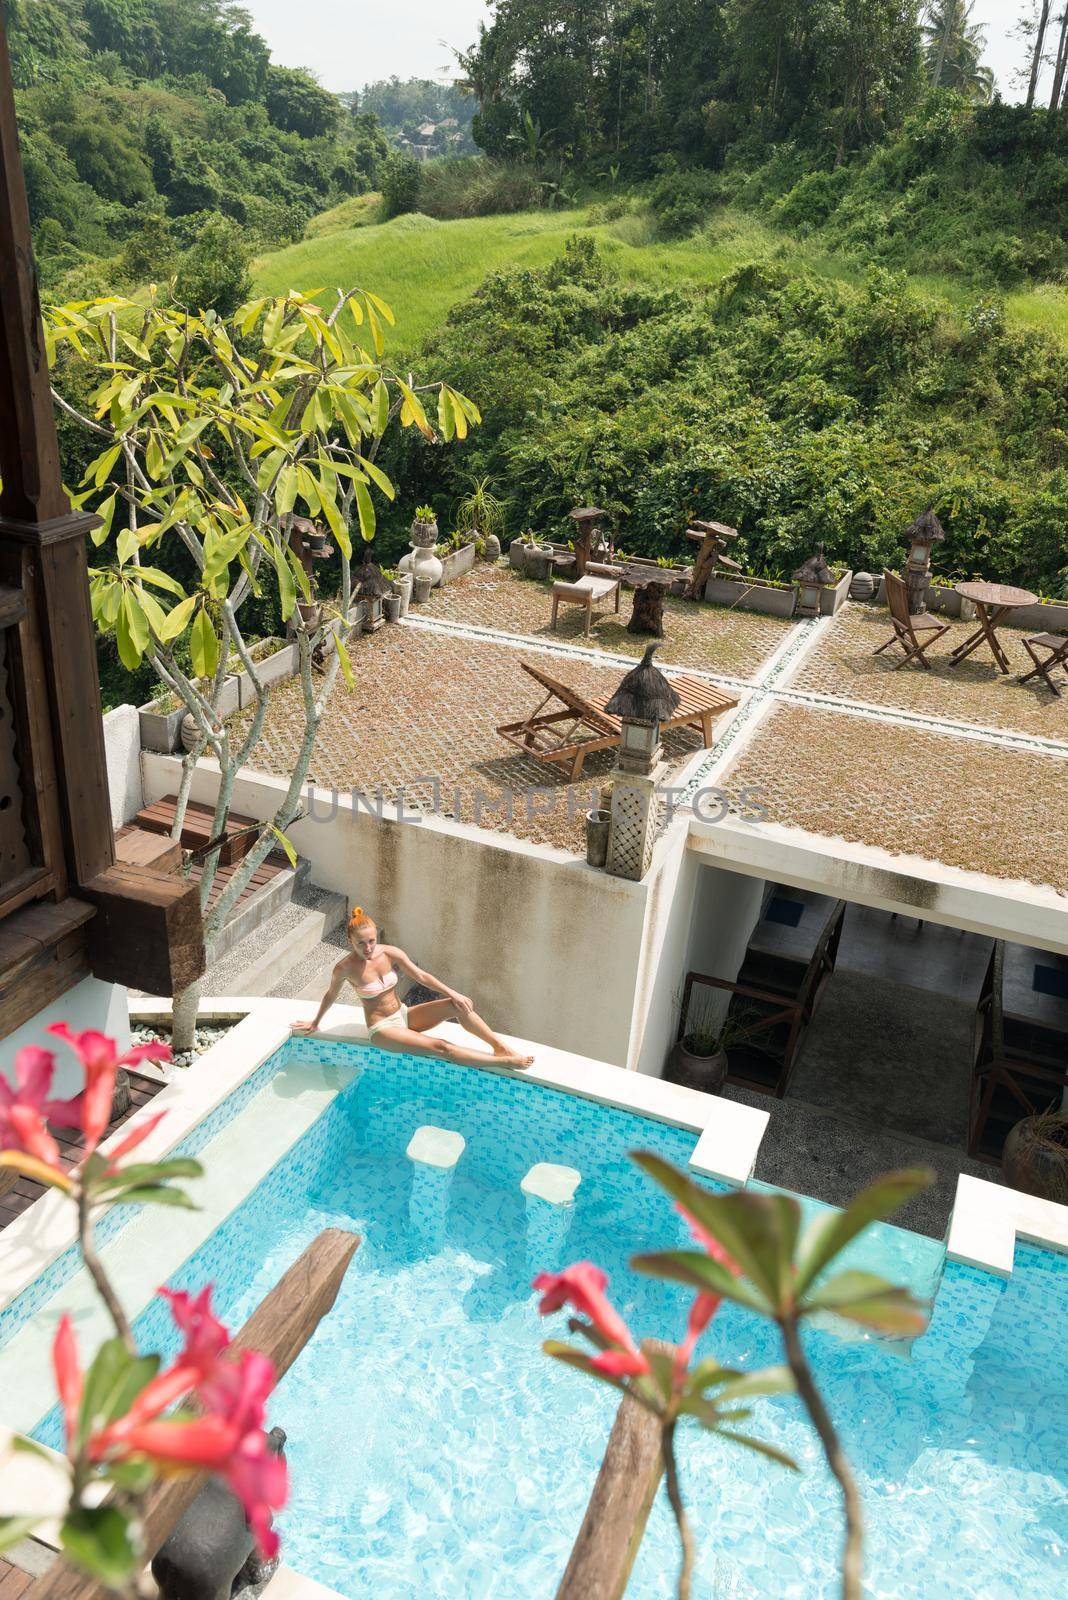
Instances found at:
x=713 y=638
x=843 y=664
x=428 y=705
x=962 y=801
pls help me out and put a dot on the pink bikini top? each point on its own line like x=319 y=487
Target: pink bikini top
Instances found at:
x=378 y=986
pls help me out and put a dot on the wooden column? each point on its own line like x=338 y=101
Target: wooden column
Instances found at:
x=36 y=521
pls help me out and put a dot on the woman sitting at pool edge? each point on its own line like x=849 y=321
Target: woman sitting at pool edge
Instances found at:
x=393 y=1026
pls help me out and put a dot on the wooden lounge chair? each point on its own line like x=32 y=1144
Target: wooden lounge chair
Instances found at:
x=1055 y=646
x=565 y=737
x=914 y=634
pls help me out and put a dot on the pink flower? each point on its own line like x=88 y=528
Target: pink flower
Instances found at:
x=704 y=1306
x=227 y=1440
x=25 y=1106
x=91 y=1110
x=205 y=1336
x=583 y=1286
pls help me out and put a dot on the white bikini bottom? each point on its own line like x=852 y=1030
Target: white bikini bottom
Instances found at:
x=396 y=1019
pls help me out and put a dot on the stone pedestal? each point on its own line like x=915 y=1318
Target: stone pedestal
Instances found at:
x=433 y=1153
x=550 y=1197
x=637 y=814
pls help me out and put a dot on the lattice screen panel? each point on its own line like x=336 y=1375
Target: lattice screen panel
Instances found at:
x=633 y=831
x=14 y=850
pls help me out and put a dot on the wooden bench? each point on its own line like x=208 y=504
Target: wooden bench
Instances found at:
x=240 y=833
x=584 y=592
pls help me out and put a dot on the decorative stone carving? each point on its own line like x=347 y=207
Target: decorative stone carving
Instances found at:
x=211 y=1555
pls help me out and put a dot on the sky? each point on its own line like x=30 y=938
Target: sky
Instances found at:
x=348 y=43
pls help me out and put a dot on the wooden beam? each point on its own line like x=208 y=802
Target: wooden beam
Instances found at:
x=147 y=932
x=280 y=1327
x=612 y=1529
x=42 y=955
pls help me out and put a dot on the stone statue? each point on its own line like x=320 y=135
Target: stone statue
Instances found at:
x=211 y=1554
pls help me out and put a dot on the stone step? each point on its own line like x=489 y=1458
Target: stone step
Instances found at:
x=253 y=910
x=264 y=957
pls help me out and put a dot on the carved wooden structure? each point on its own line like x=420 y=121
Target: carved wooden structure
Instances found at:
x=58 y=874
x=711 y=557
x=280 y=1327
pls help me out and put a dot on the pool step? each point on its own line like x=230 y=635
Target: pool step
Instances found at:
x=262 y=960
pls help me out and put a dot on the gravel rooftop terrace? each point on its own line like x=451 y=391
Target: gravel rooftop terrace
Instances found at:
x=712 y=638
x=843 y=664
x=970 y=804
x=429 y=704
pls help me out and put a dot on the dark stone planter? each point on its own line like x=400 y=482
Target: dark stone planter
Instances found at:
x=597 y=824
x=695 y=1071
x=1035 y=1158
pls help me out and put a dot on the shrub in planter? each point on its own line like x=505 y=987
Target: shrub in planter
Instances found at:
x=1035 y=1157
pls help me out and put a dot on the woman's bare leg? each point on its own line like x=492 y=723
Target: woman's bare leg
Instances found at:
x=431 y=1012
x=416 y=1043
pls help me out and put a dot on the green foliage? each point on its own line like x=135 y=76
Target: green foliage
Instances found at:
x=214 y=270
x=682 y=201
x=399 y=181
x=797 y=409
x=474 y=186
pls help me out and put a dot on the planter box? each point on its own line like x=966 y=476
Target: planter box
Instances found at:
x=457 y=563
x=284 y=663
x=773 y=599
x=160 y=730
x=517 y=555
x=832 y=599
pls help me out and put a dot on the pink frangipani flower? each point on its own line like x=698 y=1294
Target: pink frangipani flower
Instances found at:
x=91 y=1110
x=582 y=1286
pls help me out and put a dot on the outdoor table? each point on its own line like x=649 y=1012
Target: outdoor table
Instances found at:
x=649 y=584
x=993 y=602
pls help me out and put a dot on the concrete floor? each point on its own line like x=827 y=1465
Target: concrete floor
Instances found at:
x=882 y=1079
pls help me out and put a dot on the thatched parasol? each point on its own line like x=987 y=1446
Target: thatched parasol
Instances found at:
x=644 y=695
x=815 y=569
x=926 y=529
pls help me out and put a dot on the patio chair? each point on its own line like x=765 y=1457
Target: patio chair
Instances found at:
x=564 y=738
x=915 y=635
x=1056 y=647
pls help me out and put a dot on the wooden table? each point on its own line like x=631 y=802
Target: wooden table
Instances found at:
x=993 y=602
x=587 y=592
x=649 y=586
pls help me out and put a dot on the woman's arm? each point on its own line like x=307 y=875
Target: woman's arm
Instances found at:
x=409 y=967
x=337 y=979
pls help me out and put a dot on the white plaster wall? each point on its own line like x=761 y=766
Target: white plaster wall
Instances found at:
x=90 y=1004
x=547 y=947
x=122 y=747
x=701 y=919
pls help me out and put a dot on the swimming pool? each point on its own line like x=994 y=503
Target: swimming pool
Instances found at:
x=436 y=1452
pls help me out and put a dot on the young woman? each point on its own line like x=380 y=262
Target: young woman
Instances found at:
x=392 y=1026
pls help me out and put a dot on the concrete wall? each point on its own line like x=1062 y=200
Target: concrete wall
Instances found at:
x=547 y=947
x=701 y=919
x=122 y=746
x=90 y=1004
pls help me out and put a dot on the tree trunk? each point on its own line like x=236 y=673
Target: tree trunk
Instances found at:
x=943 y=46
x=648 y=613
x=1036 y=59
x=183 y=1029
x=1062 y=54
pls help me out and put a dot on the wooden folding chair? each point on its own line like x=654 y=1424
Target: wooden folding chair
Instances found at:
x=914 y=634
x=1056 y=647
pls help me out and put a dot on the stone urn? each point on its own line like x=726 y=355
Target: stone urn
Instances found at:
x=491 y=548
x=422 y=585
x=391 y=605
x=690 y=1063
x=402 y=588
x=862 y=587
x=421 y=561
x=190 y=732
x=539 y=563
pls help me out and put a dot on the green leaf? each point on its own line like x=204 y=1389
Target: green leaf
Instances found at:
x=381 y=307
x=872 y=1301
x=287 y=586
x=285 y=491
x=113 y=1382
x=272 y=325
x=761 y=1448
x=445 y=414
x=134 y=1477
x=154 y=1194
x=700 y=1272
x=828 y=1237
x=106 y=512
x=380 y=407
x=177 y=618
x=131 y=632
x=153 y=1172
x=365 y=508
x=203 y=646
x=344 y=662
x=161 y=580
x=14 y=1529
x=98 y=470
x=97 y=1539
x=584 y=1363
x=126 y=545
x=749 y=1385
x=291 y=854
x=378 y=478
x=335 y=519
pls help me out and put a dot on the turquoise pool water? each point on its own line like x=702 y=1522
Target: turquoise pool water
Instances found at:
x=435 y=1452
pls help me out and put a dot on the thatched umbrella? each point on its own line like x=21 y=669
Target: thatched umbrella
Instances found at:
x=926 y=529
x=642 y=702
x=921 y=535
x=371 y=583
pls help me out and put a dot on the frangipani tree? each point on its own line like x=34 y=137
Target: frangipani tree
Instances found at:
x=213 y=433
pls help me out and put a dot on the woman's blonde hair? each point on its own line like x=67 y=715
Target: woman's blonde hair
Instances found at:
x=359 y=919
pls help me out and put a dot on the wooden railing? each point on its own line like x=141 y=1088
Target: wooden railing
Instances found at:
x=280 y=1327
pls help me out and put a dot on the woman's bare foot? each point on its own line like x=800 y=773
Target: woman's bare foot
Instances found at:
x=510 y=1059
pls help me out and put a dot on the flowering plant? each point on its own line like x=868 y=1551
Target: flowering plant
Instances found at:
x=121 y=1431
x=750 y=1251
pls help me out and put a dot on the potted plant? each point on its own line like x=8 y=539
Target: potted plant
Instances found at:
x=1035 y=1157
x=457 y=555
x=699 y=1058
x=425 y=528
x=480 y=512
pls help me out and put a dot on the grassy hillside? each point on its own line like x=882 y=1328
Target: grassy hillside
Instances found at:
x=423 y=267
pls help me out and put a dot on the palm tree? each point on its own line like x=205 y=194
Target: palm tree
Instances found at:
x=954 y=49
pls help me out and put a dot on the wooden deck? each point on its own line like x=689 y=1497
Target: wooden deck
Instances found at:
x=13 y=1581
x=25 y=1191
